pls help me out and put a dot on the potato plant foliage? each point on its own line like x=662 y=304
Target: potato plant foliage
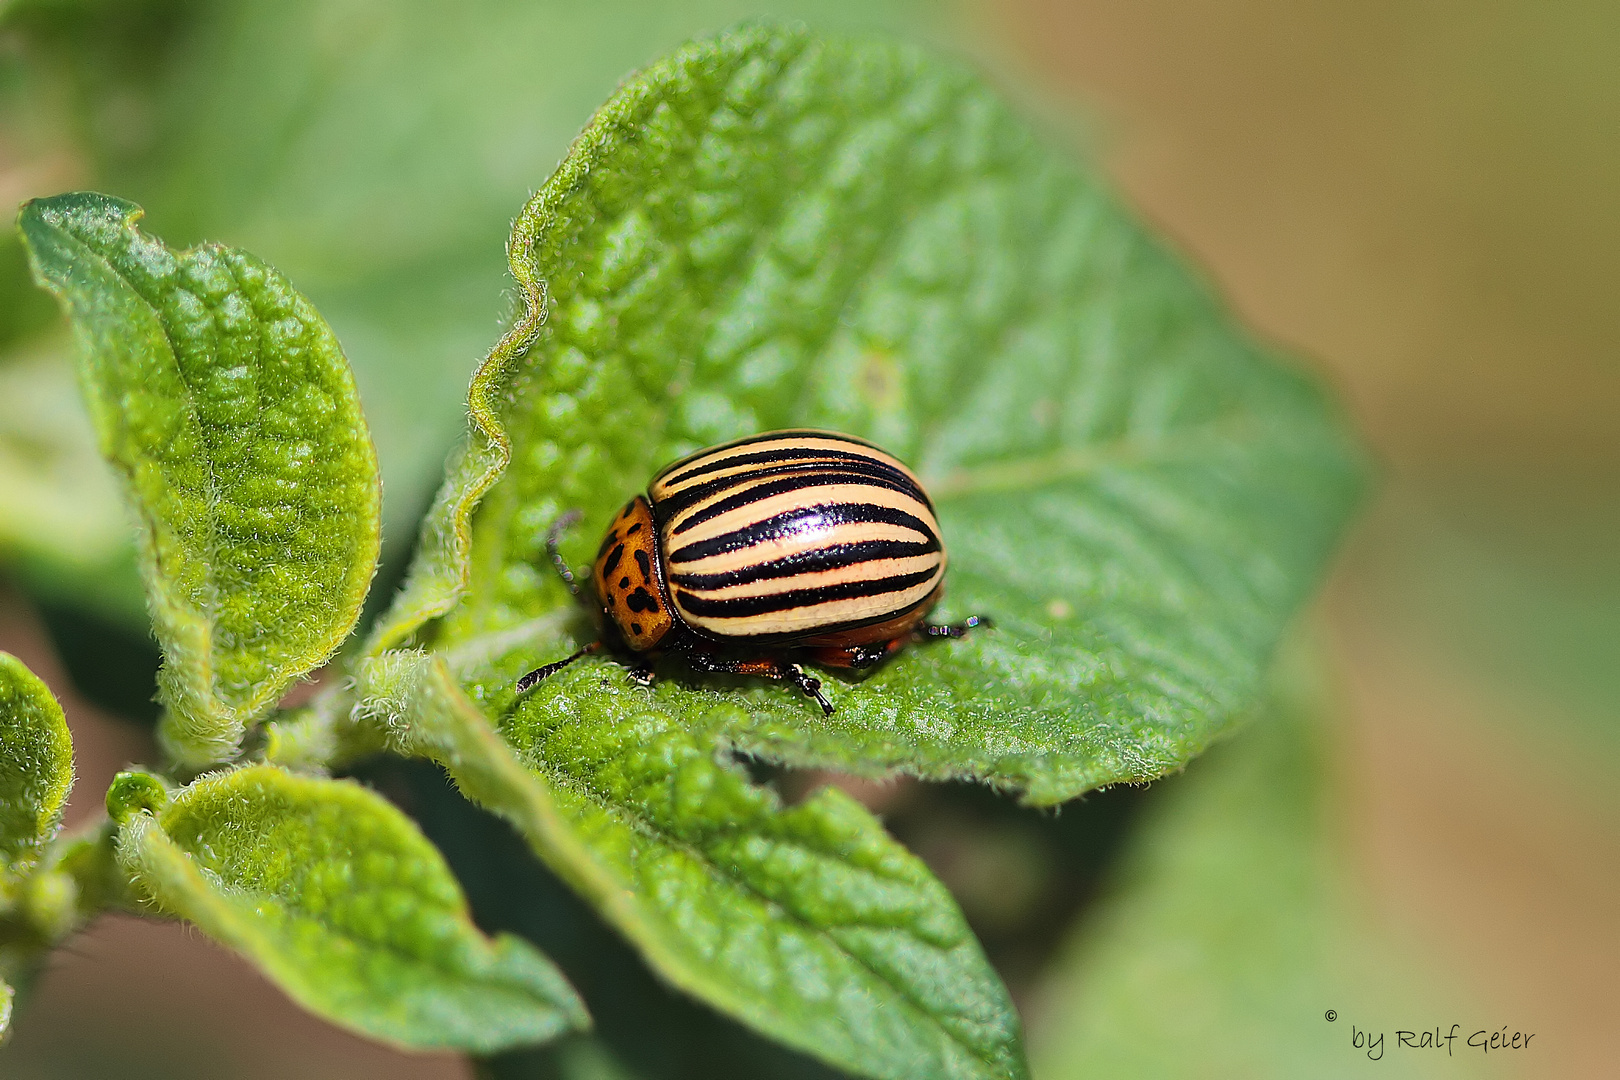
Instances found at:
x=766 y=229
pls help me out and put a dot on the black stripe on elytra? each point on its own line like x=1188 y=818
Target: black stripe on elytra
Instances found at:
x=832 y=557
x=791 y=523
x=671 y=505
x=742 y=607
x=785 y=436
x=763 y=457
x=759 y=492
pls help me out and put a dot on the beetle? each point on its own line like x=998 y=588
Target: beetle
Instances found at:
x=749 y=557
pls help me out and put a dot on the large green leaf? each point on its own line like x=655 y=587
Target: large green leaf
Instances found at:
x=773 y=229
x=335 y=895
x=808 y=922
x=225 y=403
x=36 y=771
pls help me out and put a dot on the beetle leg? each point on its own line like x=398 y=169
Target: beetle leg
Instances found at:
x=642 y=675
x=809 y=685
x=553 y=537
x=953 y=630
x=528 y=681
x=857 y=657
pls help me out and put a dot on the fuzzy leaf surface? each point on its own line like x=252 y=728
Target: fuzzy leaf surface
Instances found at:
x=771 y=230
x=337 y=897
x=808 y=922
x=36 y=770
x=225 y=403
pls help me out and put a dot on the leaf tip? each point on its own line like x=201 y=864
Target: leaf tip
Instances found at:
x=134 y=791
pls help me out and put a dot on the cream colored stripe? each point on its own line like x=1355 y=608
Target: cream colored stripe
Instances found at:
x=875 y=570
x=811 y=540
x=815 y=617
x=809 y=462
x=809 y=445
x=782 y=502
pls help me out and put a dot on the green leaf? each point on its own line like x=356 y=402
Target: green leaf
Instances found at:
x=1232 y=927
x=339 y=900
x=772 y=229
x=36 y=771
x=226 y=405
x=808 y=922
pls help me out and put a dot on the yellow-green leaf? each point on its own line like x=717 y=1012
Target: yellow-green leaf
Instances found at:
x=339 y=899
x=226 y=405
x=36 y=771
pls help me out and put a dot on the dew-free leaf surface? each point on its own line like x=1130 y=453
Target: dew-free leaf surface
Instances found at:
x=1234 y=925
x=773 y=229
x=224 y=402
x=36 y=771
x=808 y=922
x=337 y=897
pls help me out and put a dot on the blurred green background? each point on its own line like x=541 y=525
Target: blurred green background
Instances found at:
x=1418 y=198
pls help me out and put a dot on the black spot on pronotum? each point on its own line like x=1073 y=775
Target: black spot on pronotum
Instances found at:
x=635 y=628
x=629 y=508
x=613 y=560
x=624 y=583
x=645 y=563
x=632 y=530
x=641 y=600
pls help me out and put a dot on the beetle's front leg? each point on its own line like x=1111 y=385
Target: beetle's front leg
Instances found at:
x=809 y=685
x=532 y=679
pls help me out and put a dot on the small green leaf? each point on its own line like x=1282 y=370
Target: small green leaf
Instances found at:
x=134 y=791
x=338 y=898
x=808 y=922
x=225 y=403
x=36 y=771
x=773 y=230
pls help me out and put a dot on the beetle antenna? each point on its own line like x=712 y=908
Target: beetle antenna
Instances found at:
x=553 y=536
x=529 y=681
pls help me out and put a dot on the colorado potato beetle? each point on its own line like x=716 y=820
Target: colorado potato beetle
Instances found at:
x=748 y=557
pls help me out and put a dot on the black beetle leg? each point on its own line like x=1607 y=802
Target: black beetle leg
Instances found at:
x=553 y=537
x=809 y=685
x=642 y=675
x=954 y=630
x=528 y=681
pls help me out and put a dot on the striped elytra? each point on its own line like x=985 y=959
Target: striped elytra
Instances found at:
x=791 y=543
x=794 y=534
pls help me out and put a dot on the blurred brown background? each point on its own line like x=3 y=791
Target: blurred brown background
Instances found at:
x=1424 y=198
x=1420 y=197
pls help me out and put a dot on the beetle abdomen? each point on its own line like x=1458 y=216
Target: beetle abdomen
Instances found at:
x=794 y=533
